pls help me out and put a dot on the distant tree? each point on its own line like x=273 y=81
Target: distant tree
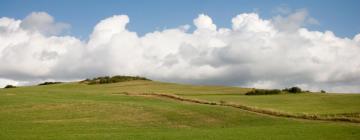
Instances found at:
x=114 y=79
x=293 y=90
x=285 y=90
x=323 y=91
x=10 y=86
x=48 y=83
x=263 y=92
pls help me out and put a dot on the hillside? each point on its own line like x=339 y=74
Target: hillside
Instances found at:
x=129 y=110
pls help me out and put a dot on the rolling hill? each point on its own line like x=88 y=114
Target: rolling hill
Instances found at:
x=144 y=109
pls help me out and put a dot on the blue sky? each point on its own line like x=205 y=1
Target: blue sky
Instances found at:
x=341 y=17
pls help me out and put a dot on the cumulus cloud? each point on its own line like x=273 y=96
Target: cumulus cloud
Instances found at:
x=256 y=52
x=43 y=23
x=204 y=22
x=294 y=21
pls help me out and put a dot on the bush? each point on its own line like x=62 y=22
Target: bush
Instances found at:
x=114 y=79
x=10 y=86
x=48 y=83
x=263 y=92
x=293 y=90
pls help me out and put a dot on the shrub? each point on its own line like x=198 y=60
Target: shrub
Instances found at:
x=263 y=92
x=114 y=79
x=10 y=86
x=49 y=83
x=293 y=90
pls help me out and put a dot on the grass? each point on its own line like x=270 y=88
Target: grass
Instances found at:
x=309 y=103
x=80 y=111
x=335 y=117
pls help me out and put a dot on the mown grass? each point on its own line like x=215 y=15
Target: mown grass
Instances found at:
x=333 y=117
x=309 y=103
x=80 y=111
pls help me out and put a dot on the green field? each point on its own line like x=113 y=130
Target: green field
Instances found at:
x=79 y=111
x=308 y=103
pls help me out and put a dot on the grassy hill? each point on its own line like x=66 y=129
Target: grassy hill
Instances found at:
x=121 y=111
x=309 y=103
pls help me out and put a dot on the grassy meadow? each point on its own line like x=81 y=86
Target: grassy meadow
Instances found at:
x=75 y=111
x=310 y=103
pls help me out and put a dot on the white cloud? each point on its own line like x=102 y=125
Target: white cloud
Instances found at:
x=26 y=54
x=204 y=22
x=4 y=82
x=294 y=21
x=43 y=23
x=251 y=22
x=255 y=52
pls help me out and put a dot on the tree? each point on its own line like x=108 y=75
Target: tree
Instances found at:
x=263 y=92
x=293 y=90
x=10 y=86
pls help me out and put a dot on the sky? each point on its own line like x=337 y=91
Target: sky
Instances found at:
x=274 y=44
x=147 y=16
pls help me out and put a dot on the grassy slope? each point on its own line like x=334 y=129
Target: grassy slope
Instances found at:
x=76 y=111
x=295 y=103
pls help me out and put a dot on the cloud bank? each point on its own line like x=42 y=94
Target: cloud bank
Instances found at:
x=264 y=53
